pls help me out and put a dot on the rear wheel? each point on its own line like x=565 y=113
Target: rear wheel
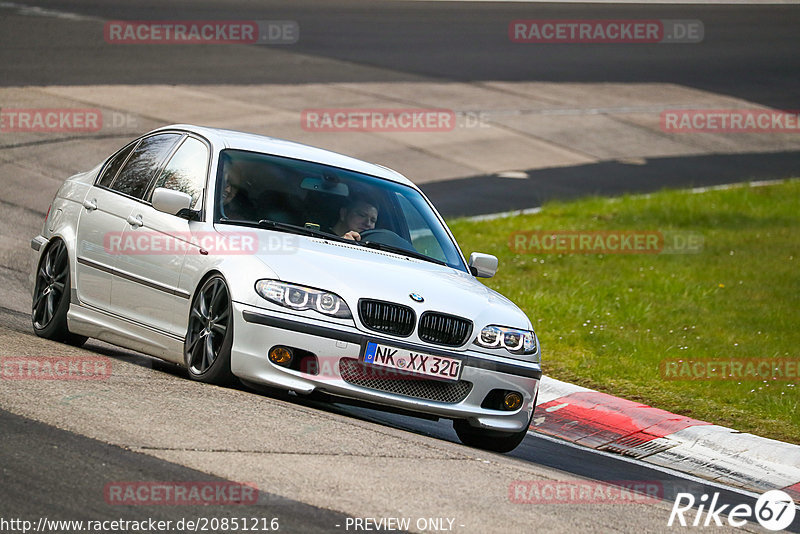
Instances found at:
x=51 y=296
x=209 y=337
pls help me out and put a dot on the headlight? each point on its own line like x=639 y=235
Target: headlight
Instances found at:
x=303 y=298
x=512 y=339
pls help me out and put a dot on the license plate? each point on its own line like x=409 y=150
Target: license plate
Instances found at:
x=412 y=362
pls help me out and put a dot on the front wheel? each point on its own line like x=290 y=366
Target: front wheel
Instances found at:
x=209 y=337
x=51 y=296
x=490 y=440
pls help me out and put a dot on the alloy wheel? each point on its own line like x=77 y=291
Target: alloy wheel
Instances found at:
x=51 y=284
x=209 y=323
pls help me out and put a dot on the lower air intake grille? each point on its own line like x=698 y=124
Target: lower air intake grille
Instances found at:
x=444 y=329
x=358 y=374
x=386 y=317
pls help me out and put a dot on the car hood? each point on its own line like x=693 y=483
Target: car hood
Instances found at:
x=354 y=272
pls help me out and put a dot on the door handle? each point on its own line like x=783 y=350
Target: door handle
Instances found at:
x=90 y=205
x=136 y=221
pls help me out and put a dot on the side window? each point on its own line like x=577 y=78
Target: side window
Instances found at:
x=113 y=167
x=186 y=170
x=144 y=162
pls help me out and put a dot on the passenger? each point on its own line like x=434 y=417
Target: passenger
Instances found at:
x=359 y=215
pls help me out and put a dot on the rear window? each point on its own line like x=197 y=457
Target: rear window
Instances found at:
x=148 y=157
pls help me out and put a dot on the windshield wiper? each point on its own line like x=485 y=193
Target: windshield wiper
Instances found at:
x=400 y=250
x=302 y=230
x=281 y=227
x=291 y=228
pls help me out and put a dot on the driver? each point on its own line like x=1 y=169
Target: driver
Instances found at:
x=359 y=215
x=235 y=201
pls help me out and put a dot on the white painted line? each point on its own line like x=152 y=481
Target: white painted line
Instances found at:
x=35 y=11
x=504 y=214
x=640 y=2
x=760 y=183
x=515 y=175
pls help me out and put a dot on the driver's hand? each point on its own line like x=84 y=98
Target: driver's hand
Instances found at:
x=352 y=235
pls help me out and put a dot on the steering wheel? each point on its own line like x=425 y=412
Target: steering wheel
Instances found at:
x=386 y=237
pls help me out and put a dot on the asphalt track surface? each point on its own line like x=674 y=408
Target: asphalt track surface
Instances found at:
x=51 y=473
x=479 y=195
x=56 y=474
x=749 y=52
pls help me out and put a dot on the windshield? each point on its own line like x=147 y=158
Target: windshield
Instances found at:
x=253 y=188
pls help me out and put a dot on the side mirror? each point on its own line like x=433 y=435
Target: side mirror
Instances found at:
x=171 y=201
x=482 y=265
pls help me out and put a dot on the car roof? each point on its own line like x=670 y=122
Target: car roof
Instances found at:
x=221 y=139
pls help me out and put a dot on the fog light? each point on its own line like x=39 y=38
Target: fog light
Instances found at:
x=512 y=401
x=281 y=356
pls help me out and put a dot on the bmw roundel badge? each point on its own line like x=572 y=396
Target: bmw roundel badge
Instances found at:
x=416 y=297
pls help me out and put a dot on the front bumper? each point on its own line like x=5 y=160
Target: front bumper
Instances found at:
x=255 y=332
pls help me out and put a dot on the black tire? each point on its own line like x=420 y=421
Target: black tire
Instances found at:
x=491 y=440
x=209 y=336
x=51 y=294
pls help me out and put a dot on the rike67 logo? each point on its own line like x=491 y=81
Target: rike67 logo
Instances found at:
x=774 y=510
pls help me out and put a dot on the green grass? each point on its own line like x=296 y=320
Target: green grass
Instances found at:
x=607 y=321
